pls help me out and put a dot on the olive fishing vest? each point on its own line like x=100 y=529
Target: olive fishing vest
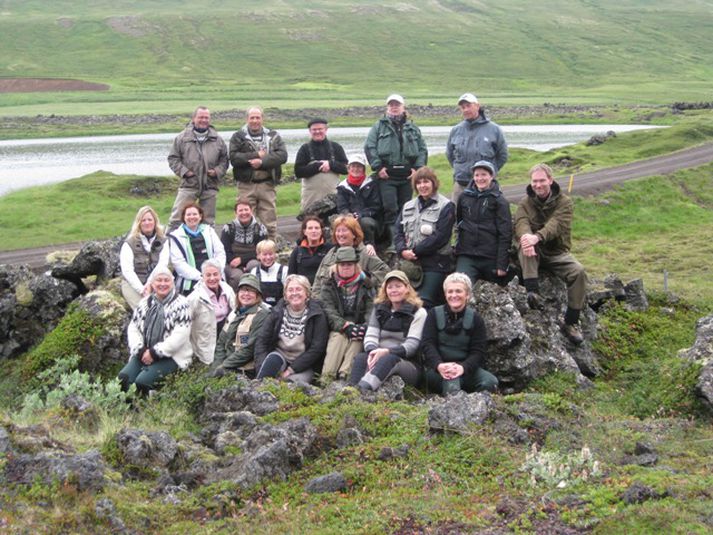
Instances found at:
x=418 y=224
x=453 y=347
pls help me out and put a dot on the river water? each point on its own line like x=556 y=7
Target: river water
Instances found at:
x=34 y=162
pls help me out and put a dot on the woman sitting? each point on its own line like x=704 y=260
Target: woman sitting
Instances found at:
x=191 y=244
x=392 y=336
x=484 y=228
x=347 y=298
x=346 y=232
x=455 y=342
x=423 y=235
x=294 y=336
x=158 y=335
x=142 y=251
x=236 y=343
x=311 y=249
x=211 y=301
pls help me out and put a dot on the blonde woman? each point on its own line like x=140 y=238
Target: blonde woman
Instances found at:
x=392 y=337
x=141 y=253
x=293 y=340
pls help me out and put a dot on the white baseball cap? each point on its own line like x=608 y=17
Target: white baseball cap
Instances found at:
x=396 y=97
x=357 y=158
x=468 y=97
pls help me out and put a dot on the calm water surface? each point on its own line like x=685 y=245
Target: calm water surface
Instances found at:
x=34 y=162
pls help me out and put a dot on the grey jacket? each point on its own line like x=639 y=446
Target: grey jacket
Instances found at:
x=474 y=140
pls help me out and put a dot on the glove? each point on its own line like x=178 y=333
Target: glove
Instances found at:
x=356 y=331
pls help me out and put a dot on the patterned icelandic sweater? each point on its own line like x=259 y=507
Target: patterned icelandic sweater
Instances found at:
x=176 y=340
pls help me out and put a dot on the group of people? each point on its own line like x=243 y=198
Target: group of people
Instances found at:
x=337 y=309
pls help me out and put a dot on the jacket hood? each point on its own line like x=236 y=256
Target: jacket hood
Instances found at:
x=479 y=120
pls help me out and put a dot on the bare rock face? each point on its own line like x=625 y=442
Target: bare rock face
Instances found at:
x=704 y=386
x=270 y=452
x=30 y=306
x=98 y=258
x=702 y=351
x=459 y=412
x=702 y=348
x=524 y=344
x=146 y=448
x=85 y=470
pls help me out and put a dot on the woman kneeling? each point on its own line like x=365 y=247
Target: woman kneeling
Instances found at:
x=293 y=340
x=159 y=335
x=392 y=336
x=455 y=342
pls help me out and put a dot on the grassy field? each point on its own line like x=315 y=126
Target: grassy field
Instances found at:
x=164 y=57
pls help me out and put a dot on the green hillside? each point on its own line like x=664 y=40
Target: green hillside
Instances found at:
x=296 y=53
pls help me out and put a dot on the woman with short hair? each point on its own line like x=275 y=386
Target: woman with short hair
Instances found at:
x=211 y=301
x=393 y=336
x=484 y=228
x=423 y=237
x=143 y=251
x=455 y=342
x=294 y=335
x=158 y=335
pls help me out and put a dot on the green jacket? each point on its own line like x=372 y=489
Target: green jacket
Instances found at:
x=373 y=266
x=334 y=307
x=383 y=147
x=226 y=355
x=550 y=219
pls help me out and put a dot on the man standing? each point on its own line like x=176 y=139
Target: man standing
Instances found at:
x=395 y=149
x=199 y=158
x=257 y=154
x=319 y=164
x=543 y=228
x=474 y=139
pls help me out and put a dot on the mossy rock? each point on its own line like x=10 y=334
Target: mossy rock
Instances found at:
x=93 y=328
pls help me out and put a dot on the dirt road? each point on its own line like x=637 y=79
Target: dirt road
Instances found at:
x=584 y=184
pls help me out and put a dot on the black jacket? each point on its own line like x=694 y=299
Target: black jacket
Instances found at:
x=305 y=260
x=484 y=225
x=365 y=201
x=306 y=166
x=316 y=336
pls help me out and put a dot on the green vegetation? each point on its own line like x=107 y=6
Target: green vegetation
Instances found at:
x=164 y=57
x=574 y=479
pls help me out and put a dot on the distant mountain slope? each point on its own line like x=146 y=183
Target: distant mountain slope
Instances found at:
x=365 y=47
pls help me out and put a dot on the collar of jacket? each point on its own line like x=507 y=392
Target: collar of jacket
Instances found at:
x=554 y=193
x=493 y=191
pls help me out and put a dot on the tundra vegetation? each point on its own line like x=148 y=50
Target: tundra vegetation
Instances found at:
x=631 y=453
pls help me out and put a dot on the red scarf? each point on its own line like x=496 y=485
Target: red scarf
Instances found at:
x=344 y=282
x=355 y=180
